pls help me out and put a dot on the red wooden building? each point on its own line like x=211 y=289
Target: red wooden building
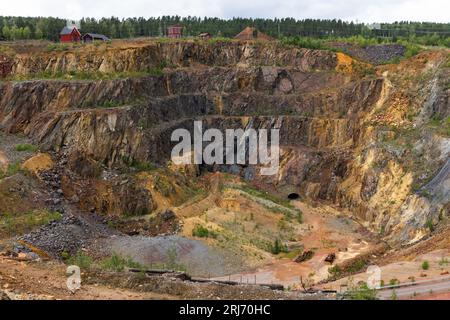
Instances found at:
x=174 y=31
x=70 y=34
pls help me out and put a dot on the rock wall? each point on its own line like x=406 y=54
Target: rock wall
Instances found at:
x=178 y=54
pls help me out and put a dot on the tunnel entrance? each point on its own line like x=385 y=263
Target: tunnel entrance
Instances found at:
x=293 y=196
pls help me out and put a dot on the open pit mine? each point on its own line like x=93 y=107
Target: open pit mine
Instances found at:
x=87 y=179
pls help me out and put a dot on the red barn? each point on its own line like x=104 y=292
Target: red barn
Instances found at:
x=70 y=34
x=174 y=31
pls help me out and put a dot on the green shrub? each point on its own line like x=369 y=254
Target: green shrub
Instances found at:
x=335 y=271
x=65 y=255
x=394 y=282
x=443 y=262
x=394 y=295
x=155 y=71
x=425 y=265
x=356 y=266
x=171 y=261
x=411 y=50
x=158 y=70
x=361 y=41
x=80 y=259
x=299 y=216
x=138 y=165
x=278 y=247
x=362 y=293
x=200 y=231
x=430 y=225
x=118 y=263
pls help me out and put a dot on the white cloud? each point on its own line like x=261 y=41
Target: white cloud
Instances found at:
x=362 y=10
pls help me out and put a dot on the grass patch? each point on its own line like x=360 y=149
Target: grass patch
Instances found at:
x=292 y=254
x=115 y=262
x=139 y=165
x=52 y=47
x=22 y=147
x=19 y=223
x=305 y=42
x=88 y=75
x=108 y=104
x=12 y=169
x=118 y=263
x=442 y=126
x=279 y=205
x=266 y=195
x=216 y=40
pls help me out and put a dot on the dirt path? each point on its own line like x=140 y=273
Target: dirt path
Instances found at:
x=47 y=280
x=405 y=270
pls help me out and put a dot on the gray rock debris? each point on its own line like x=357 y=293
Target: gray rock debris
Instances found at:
x=69 y=234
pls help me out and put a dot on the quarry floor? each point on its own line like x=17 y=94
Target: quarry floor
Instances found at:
x=325 y=231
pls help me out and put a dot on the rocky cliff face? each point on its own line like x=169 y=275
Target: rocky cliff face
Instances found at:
x=178 y=54
x=358 y=142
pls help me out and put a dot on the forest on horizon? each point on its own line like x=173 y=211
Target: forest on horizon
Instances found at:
x=16 y=28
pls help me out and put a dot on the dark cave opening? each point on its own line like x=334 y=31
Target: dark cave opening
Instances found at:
x=293 y=196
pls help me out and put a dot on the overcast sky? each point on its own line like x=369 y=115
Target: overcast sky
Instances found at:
x=351 y=10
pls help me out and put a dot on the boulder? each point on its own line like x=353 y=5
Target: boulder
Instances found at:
x=306 y=255
x=38 y=163
x=330 y=258
x=4 y=296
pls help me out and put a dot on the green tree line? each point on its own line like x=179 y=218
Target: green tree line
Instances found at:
x=15 y=28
